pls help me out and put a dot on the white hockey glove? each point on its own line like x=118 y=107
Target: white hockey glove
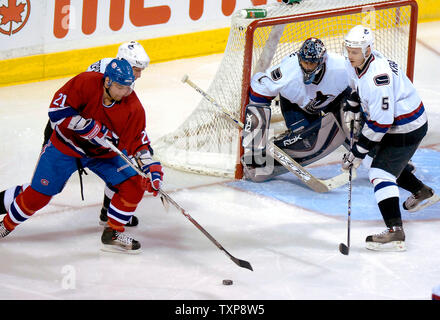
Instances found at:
x=93 y=130
x=353 y=158
x=151 y=168
x=352 y=112
x=350 y=160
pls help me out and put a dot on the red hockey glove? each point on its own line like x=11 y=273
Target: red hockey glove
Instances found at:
x=151 y=168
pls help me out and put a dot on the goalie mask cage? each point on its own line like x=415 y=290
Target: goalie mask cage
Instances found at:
x=207 y=143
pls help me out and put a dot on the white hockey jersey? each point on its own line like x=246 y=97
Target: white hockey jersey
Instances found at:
x=99 y=66
x=286 y=79
x=388 y=98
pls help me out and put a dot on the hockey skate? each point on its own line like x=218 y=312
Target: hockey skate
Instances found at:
x=3 y=231
x=133 y=222
x=425 y=197
x=392 y=239
x=115 y=241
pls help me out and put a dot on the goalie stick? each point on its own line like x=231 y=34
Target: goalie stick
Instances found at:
x=165 y=198
x=284 y=159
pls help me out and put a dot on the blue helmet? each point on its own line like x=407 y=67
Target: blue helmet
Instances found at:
x=120 y=71
x=312 y=50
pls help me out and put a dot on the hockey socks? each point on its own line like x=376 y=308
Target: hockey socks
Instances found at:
x=124 y=203
x=389 y=208
x=7 y=197
x=408 y=181
x=24 y=206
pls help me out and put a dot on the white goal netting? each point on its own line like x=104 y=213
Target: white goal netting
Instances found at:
x=205 y=142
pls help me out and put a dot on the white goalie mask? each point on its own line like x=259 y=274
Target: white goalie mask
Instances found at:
x=359 y=37
x=134 y=53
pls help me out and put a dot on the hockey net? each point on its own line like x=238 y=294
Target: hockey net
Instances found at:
x=206 y=143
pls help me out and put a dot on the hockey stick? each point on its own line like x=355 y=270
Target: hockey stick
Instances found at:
x=240 y=263
x=285 y=160
x=344 y=249
x=168 y=199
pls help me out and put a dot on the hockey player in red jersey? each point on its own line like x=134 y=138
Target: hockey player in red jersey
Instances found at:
x=89 y=110
x=135 y=54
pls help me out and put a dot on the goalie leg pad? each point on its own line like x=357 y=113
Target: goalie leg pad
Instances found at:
x=255 y=134
x=256 y=126
x=260 y=174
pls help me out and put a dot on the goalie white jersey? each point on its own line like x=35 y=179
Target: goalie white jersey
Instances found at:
x=388 y=98
x=287 y=80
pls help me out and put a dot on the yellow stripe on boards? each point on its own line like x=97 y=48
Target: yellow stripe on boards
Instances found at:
x=429 y=10
x=62 y=64
x=69 y=63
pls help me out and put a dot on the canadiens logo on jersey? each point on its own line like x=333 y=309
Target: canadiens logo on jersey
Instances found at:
x=14 y=15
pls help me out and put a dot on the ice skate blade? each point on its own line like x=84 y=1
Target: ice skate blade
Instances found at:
x=428 y=202
x=118 y=249
x=393 y=246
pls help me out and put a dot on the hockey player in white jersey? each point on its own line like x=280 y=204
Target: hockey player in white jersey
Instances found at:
x=135 y=54
x=311 y=85
x=395 y=124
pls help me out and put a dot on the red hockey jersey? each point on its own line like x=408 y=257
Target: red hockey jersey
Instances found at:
x=83 y=95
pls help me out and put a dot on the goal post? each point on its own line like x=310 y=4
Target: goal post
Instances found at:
x=205 y=142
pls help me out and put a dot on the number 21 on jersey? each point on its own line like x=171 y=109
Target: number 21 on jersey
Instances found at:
x=61 y=100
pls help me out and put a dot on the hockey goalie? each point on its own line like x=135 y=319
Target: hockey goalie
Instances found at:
x=313 y=90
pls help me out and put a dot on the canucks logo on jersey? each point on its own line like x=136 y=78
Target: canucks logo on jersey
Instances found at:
x=315 y=104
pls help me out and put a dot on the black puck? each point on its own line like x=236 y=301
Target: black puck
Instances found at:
x=227 y=282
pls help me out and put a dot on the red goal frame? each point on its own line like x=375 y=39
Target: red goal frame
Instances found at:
x=247 y=61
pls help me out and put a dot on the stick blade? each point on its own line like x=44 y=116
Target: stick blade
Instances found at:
x=243 y=264
x=238 y=262
x=344 y=249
